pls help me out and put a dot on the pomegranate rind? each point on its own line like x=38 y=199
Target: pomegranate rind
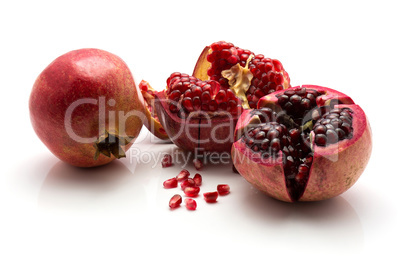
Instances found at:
x=201 y=67
x=152 y=122
x=268 y=177
x=335 y=167
x=200 y=131
x=338 y=166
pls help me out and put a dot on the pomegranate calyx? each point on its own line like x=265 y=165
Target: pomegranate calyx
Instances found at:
x=111 y=144
x=240 y=80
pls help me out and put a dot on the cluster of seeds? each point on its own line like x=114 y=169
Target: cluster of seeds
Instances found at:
x=298 y=102
x=223 y=56
x=187 y=94
x=267 y=78
x=268 y=74
x=333 y=126
x=191 y=188
x=268 y=138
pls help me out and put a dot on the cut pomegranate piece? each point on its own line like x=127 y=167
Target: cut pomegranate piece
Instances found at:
x=183 y=175
x=190 y=204
x=197 y=179
x=303 y=144
x=167 y=161
x=223 y=189
x=192 y=191
x=189 y=182
x=152 y=121
x=170 y=183
x=175 y=201
x=210 y=197
x=199 y=112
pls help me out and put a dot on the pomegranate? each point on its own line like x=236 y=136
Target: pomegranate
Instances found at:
x=305 y=143
x=199 y=112
x=86 y=108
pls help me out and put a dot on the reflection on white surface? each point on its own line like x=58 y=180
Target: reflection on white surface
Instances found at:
x=245 y=218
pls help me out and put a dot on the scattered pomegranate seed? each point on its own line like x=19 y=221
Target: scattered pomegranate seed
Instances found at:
x=197 y=164
x=183 y=175
x=211 y=197
x=197 y=179
x=170 y=183
x=167 y=161
x=223 y=189
x=191 y=191
x=187 y=183
x=175 y=201
x=190 y=204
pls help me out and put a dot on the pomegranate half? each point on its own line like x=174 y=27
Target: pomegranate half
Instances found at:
x=86 y=108
x=199 y=112
x=306 y=143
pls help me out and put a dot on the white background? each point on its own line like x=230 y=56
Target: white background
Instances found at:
x=52 y=210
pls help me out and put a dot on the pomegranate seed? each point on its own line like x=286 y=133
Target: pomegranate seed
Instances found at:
x=170 y=183
x=210 y=197
x=191 y=191
x=223 y=189
x=190 y=204
x=187 y=103
x=187 y=183
x=183 y=175
x=175 y=201
x=197 y=164
x=167 y=161
x=197 y=179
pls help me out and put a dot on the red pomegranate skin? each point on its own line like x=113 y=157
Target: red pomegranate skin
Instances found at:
x=93 y=89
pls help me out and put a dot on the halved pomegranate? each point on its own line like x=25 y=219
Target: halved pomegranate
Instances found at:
x=305 y=143
x=199 y=113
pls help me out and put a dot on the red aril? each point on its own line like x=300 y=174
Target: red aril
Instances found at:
x=223 y=189
x=175 y=201
x=170 y=183
x=167 y=161
x=189 y=182
x=190 y=204
x=183 y=175
x=198 y=164
x=210 y=197
x=191 y=191
x=197 y=179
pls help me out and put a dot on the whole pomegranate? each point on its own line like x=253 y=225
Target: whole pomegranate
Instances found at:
x=305 y=143
x=86 y=108
x=199 y=112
